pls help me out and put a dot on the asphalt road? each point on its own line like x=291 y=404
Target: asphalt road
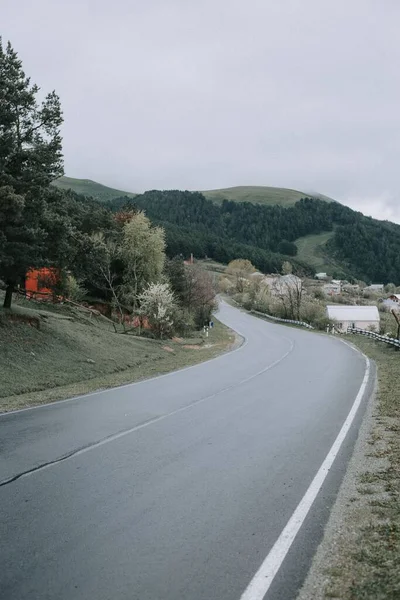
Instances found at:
x=178 y=487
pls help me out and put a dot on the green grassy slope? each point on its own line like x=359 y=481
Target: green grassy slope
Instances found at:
x=91 y=188
x=259 y=195
x=254 y=194
x=72 y=354
x=310 y=249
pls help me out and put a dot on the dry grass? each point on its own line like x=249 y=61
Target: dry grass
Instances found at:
x=367 y=567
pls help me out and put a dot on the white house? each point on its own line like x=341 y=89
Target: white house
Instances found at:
x=393 y=302
x=362 y=317
x=321 y=276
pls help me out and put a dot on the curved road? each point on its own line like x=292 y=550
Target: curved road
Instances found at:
x=178 y=487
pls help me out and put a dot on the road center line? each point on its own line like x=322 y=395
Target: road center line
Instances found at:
x=265 y=575
x=120 y=434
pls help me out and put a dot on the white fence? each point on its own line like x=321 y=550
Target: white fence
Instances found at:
x=376 y=336
x=278 y=319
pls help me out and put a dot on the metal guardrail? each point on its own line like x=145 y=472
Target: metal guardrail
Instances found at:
x=290 y=321
x=376 y=336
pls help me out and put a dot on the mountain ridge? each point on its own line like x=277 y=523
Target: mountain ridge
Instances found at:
x=255 y=194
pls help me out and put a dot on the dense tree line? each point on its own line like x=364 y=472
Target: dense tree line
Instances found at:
x=370 y=248
x=271 y=228
x=365 y=248
x=265 y=234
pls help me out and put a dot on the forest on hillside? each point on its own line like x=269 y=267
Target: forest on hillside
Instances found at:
x=362 y=247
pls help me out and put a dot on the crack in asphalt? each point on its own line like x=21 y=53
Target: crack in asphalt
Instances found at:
x=124 y=432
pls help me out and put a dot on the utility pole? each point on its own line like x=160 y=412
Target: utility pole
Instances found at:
x=398 y=326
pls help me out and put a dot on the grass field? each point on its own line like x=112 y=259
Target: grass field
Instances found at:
x=310 y=249
x=91 y=188
x=259 y=195
x=368 y=568
x=71 y=354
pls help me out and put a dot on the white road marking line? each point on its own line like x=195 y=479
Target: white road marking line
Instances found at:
x=265 y=575
x=122 y=434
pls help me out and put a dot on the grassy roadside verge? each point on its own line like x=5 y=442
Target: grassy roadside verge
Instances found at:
x=69 y=355
x=359 y=557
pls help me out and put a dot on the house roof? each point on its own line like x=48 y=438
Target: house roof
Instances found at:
x=395 y=296
x=344 y=312
x=375 y=286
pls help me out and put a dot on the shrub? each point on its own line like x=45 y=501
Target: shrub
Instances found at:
x=73 y=289
x=225 y=286
x=183 y=322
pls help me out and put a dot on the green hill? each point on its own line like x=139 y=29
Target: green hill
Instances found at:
x=87 y=187
x=255 y=194
x=260 y=195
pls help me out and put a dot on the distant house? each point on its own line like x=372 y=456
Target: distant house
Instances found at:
x=362 y=317
x=392 y=302
x=334 y=288
x=321 y=276
x=40 y=283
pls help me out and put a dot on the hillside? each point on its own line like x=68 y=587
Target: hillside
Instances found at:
x=266 y=195
x=260 y=195
x=312 y=233
x=267 y=226
x=312 y=250
x=87 y=187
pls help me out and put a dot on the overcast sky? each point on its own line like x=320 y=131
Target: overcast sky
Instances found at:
x=202 y=94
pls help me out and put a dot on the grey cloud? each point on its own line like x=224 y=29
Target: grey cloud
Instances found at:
x=197 y=95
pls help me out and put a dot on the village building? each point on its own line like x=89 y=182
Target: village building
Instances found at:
x=360 y=317
x=334 y=288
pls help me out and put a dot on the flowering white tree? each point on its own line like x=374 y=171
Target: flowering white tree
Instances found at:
x=143 y=255
x=157 y=303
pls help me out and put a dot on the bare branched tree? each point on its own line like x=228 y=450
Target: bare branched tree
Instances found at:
x=289 y=290
x=104 y=256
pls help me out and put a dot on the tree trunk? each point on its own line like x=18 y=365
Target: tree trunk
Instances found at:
x=8 y=296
